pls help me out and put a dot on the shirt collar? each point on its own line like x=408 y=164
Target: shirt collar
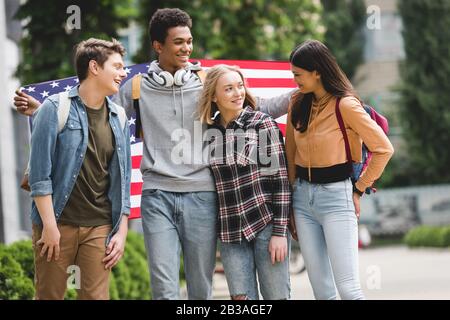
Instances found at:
x=240 y=121
x=74 y=92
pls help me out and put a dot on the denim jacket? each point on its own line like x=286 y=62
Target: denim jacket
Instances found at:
x=56 y=158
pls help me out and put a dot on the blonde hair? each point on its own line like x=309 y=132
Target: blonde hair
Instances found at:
x=206 y=106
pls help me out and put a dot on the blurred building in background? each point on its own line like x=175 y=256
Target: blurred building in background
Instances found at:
x=14 y=203
x=130 y=39
x=377 y=77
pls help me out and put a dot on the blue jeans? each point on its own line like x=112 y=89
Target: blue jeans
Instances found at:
x=328 y=233
x=175 y=222
x=242 y=261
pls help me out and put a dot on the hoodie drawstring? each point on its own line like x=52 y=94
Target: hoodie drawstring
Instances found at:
x=175 y=105
x=174 y=101
x=182 y=107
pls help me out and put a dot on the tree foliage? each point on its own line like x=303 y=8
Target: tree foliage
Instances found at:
x=47 y=44
x=14 y=285
x=234 y=29
x=425 y=89
x=344 y=20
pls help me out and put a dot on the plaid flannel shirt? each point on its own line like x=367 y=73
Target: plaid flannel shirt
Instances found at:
x=248 y=162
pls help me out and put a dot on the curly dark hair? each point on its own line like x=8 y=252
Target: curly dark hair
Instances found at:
x=164 y=19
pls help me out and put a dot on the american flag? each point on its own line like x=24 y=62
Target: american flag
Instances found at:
x=264 y=78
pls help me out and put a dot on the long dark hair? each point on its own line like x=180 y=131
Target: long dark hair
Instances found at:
x=312 y=55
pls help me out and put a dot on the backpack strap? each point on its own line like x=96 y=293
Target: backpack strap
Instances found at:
x=121 y=114
x=201 y=75
x=122 y=117
x=62 y=113
x=136 y=87
x=63 y=109
x=135 y=95
x=344 y=133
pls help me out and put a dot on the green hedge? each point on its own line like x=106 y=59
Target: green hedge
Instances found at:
x=428 y=236
x=129 y=278
x=14 y=284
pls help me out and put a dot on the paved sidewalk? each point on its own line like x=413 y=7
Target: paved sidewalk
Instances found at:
x=391 y=273
x=220 y=289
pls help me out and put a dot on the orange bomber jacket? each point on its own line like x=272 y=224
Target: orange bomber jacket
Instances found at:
x=322 y=144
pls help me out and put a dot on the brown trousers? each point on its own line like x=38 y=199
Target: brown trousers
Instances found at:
x=81 y=252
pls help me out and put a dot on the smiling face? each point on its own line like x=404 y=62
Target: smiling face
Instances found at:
x=230 y=93
x=174 y=53
x=111 y=74
x=307 y=81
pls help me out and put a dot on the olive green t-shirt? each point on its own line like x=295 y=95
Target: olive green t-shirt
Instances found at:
x=88 y=205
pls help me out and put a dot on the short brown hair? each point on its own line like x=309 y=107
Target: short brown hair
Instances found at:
x=94 y=49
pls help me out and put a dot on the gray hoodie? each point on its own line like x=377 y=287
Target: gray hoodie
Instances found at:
x=167 y=113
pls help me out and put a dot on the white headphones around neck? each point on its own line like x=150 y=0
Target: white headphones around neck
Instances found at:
x=181 y=76
x=166 y=79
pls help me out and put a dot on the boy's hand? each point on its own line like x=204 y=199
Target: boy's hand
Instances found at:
x=50 y=240
x=116 y=247
x=114 y=251
x=25 y=104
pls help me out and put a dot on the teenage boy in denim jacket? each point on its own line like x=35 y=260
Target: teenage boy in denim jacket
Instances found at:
x=80 y=178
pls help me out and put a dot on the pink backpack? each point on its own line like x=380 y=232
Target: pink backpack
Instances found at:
x=358 y=167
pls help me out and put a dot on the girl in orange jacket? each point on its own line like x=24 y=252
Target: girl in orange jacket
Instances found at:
x=326 y=202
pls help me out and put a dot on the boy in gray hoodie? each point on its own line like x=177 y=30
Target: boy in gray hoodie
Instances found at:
x=179 y=203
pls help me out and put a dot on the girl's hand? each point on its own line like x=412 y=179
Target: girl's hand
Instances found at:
x=356 y=202
x=278 y=249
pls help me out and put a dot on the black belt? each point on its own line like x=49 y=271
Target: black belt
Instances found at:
x=331 y=174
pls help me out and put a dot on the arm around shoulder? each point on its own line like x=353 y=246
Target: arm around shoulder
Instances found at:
x=276 y=106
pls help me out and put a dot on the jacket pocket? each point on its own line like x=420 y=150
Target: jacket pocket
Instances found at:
x=72 y=124
x=339 y=186
x=72 y=135
x=150 y=192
